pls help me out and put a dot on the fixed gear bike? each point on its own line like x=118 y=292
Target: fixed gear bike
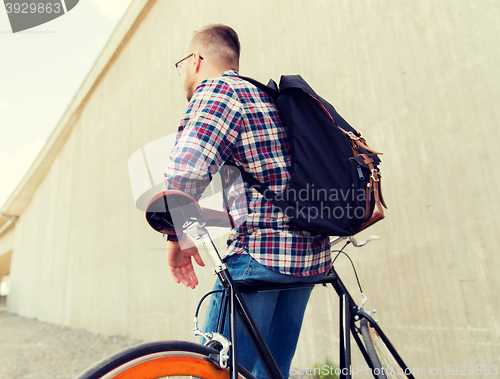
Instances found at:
x=217 y=358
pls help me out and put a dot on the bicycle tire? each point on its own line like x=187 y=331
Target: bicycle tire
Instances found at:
x=385 y=365
x=161 y=359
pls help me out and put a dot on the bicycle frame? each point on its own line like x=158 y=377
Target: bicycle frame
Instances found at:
x=348 y=310
x=350 y=313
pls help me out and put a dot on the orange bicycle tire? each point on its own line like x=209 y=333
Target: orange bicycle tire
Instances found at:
x=159 y=360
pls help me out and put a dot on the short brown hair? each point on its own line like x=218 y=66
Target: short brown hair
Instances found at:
x=221 y=44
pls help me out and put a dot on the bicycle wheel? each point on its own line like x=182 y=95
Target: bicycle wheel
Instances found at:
x=385 y=363
x=161 y=359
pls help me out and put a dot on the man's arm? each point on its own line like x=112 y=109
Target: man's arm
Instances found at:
x=206 y=137
x=205 y=140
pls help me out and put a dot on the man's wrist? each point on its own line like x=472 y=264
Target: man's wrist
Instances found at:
x=173 y=237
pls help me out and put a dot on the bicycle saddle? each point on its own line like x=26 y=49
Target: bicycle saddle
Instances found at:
x=172 y=209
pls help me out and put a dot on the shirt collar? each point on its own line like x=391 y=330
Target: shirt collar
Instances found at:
x=225 y=73
x=229 y=73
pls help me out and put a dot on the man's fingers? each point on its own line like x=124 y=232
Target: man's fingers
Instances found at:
x=173 y=274
x=184 y=275
x=179 y=276
x=190 y=276
x=197 y=258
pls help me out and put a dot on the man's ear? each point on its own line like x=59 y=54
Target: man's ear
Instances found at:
x=196 y=62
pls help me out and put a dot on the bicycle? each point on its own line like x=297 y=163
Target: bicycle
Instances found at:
x=217 y=358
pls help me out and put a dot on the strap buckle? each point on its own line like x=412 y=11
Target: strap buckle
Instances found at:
x=352 y=136
x=375 y=175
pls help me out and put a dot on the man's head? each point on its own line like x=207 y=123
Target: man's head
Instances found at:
x=215 y=49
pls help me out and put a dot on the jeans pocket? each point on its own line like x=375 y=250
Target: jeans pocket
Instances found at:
x=239 y=266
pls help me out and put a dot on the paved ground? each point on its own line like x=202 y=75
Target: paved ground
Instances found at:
x=30 y=349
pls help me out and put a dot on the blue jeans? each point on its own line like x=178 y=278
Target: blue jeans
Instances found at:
x=278 y=314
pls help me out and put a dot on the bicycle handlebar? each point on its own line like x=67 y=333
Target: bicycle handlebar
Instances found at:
x=353 y=240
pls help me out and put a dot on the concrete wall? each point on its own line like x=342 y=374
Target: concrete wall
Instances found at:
x=419 y=79
x=6 y=246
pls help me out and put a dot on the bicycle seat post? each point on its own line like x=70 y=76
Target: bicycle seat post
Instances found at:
x=198 y=232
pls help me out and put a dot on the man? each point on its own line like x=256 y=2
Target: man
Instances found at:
x=230 y=119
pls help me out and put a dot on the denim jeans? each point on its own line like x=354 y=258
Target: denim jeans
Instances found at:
x=278 y=314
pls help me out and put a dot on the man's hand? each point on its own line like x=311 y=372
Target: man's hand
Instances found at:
x=180 y=264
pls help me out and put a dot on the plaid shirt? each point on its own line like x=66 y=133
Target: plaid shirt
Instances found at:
x=229 y=118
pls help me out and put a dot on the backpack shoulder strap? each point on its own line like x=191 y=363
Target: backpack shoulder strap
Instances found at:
x=271 y=88
x=262 y=188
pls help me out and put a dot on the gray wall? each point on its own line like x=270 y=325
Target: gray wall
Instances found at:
x=418 y=78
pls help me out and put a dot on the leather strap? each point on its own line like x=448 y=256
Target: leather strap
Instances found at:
x=358 y=142
x=374 y=184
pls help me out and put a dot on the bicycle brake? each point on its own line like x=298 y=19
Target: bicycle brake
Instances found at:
x=361 y=308
x=218 y=340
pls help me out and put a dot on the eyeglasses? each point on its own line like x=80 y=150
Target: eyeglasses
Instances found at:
x=178 y=65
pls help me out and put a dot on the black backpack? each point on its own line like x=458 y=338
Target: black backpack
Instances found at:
x=335 y=180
